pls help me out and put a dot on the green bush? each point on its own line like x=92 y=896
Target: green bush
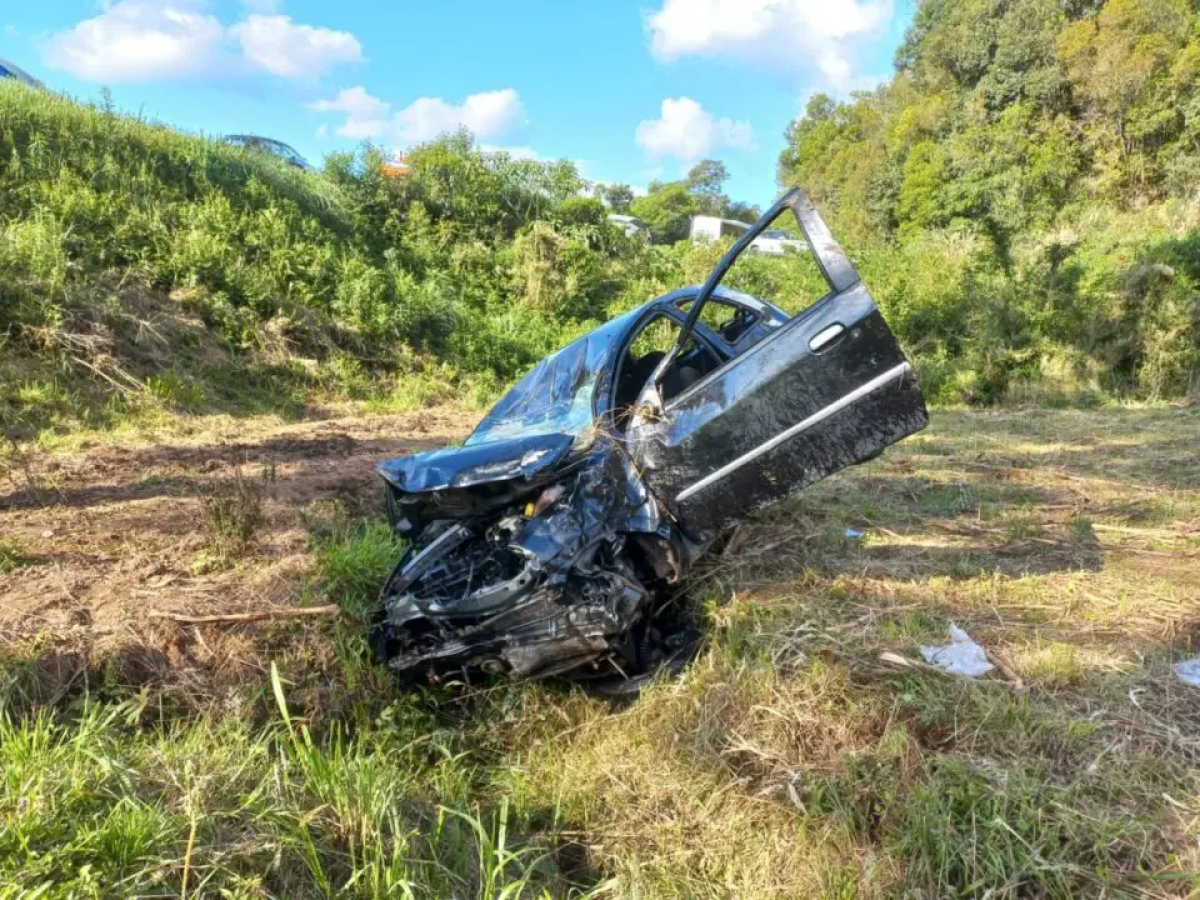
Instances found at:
x=141 y=268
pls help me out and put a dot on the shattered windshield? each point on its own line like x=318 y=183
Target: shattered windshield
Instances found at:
x=556 y=396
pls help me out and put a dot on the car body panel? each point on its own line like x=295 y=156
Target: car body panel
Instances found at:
x=471 y=465
x=829 y=388
x=15 y=72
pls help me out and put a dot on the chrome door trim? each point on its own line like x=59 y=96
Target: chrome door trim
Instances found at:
x=815 y=419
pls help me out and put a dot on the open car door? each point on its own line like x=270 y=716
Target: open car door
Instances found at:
x=828 y=389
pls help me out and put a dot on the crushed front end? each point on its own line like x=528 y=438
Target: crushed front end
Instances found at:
x=530 y=557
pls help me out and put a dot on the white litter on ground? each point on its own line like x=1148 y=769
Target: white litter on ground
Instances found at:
x=961 y=657
x=852 y=533
x=1188 y=671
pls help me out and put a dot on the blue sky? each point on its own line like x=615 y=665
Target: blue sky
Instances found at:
x=630 y=91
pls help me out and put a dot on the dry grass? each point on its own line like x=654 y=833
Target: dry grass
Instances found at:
x=793 y=761
x=796 y=756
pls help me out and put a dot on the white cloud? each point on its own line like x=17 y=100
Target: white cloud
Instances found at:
x=488 y=115
x=354 y=101
x=155 y=40
x=688 y=131
x=138 y=40
x=366 y=116
x=795 y=34
x=289 y=50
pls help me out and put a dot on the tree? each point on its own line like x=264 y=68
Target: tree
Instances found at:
x=619 y=197
x=704 y=181
x=1118 y=63
x=667 y=211
x=743 y=212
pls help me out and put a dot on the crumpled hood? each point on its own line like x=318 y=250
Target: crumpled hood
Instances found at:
x=462 y=467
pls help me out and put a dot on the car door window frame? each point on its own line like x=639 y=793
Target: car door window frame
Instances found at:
x=718 y=337
x=839 y=273
x=791 y=324
x=849 y=280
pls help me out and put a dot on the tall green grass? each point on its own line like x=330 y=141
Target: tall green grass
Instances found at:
x=91 y=807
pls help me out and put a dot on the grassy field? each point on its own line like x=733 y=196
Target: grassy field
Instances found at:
x=806 y=753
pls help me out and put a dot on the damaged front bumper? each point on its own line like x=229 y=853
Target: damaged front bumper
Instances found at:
x=534 y=557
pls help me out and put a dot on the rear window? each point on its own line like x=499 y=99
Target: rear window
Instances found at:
x=725 y=319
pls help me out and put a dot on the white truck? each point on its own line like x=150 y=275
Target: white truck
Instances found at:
x=773 y=242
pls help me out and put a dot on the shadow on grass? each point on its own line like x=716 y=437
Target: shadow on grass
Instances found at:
x=139 y=468
x=1142 y=449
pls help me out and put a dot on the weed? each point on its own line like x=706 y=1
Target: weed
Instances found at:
x=223 y=808
x=353 y=559
x=13 y=556
x=233 y=513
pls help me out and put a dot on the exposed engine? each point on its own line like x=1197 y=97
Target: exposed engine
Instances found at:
x=564 y=580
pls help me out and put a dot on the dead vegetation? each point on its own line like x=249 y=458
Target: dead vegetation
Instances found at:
x=806 y=752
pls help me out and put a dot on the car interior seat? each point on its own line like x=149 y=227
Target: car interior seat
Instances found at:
x=678 y=379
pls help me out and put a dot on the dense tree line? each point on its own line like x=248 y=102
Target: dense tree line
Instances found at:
x=1028 y=181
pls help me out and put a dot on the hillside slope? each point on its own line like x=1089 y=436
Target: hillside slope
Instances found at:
x=141 y=268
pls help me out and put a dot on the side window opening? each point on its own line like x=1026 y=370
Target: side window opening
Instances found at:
x=778 y=267
x=642 y=357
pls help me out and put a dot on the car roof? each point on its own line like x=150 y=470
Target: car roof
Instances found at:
x=258 y=139
x=761 y=307
x=278 y=148
x=14 y=71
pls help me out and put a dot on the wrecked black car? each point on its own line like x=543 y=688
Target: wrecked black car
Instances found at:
x=547 y=543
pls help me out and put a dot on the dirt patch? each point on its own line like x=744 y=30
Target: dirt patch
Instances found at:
x=113 y=533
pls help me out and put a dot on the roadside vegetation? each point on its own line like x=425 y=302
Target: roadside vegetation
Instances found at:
x=1024 y=195
x=146 y=273
x=1029 y=233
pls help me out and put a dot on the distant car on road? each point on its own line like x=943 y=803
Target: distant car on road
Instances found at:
x=278 y=149
x=776 y=242
x=8 y=70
